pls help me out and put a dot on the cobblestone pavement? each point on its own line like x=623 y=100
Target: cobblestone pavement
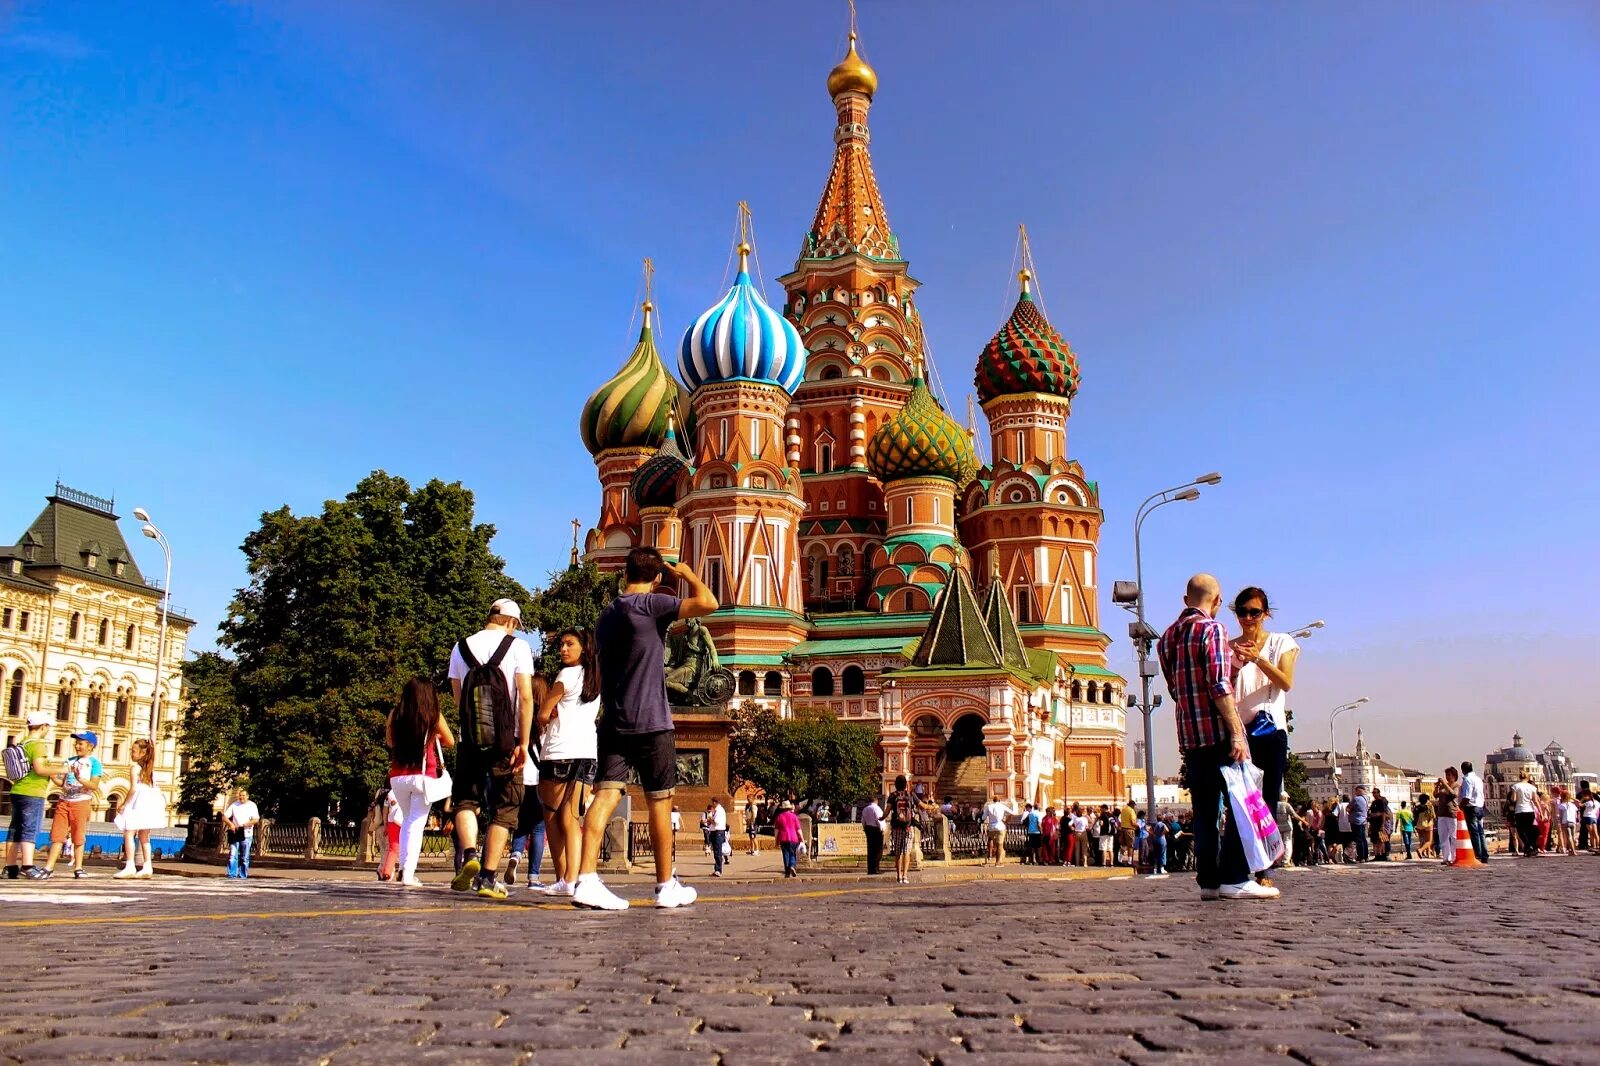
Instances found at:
x=1389 y=963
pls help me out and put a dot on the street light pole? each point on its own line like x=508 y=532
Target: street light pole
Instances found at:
x=156 y=535
x=1333 y=754
x=1143 y=636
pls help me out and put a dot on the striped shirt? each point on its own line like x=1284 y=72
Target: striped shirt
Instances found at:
x=1196 y=660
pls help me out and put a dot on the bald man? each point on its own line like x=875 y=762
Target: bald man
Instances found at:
x=1196 y=661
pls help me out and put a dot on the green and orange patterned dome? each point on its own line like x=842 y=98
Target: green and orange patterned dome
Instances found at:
x=1027 y=355
x=631 y=410
x=922 y=441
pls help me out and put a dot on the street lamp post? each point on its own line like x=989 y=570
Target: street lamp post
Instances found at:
x=1144 y=637
x=156 y=535
x=1333 y=754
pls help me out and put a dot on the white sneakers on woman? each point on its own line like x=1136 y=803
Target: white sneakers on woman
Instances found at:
x=1247 y=890
x=591 y=893
x=675 y=894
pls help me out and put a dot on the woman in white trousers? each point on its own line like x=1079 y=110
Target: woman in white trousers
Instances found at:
x=417 y=734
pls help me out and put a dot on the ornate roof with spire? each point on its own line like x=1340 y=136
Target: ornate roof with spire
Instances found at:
x=956 y=635
x=851 y=217
x=741 y=337
x=655 y=483
x=632 y=409
x=1002 y=626
x=921 y=440
x=1026 y=355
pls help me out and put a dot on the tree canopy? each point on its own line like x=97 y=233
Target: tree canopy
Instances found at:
x=573 y=599
x=812 y=755
x=341 y=609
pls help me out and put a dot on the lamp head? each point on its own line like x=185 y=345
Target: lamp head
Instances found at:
x=150 y=531
x=1155 y=701
x=1188 y=494
x=141 y=514
x=1364 y=699
x=1209 y=479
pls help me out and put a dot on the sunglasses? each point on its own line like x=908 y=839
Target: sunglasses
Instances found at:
x=1249 y=612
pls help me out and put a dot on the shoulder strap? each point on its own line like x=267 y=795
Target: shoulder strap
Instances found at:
x=466 y=655
x=500 y=652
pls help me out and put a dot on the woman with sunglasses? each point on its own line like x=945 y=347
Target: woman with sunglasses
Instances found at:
x=1263 y=666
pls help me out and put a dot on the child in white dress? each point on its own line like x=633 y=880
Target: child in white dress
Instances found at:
x=144 y=811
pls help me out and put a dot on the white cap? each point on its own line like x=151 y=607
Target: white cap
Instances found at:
x=506 y=609
x=38 y=718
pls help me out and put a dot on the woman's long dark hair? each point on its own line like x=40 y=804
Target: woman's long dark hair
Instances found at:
x=588 y=660
x=414 y=721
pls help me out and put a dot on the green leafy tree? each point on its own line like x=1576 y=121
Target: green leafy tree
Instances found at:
x=1294 y=782
x=213 y=731
x=812 y=754
x=573 y=599
x=342 y=608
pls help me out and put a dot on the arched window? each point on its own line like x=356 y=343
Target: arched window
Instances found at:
x=103 y=636
x=14 y=697
x=747 y=683
x=1106 y=695
x=1077 y=692
x=855 y=681
x=64 y=703
x=824 y=458
x=831 y=372
x=772 y=685
x=822 y=681
x=120 y=710
x=93 y=715
x=127 y=640
x=113 y=804
x=74 y=625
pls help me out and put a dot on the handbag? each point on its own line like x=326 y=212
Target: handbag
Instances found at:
x=1258 y=830
x=435 y=789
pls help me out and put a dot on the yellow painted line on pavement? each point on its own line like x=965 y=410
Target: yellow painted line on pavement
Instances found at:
x=375 y=912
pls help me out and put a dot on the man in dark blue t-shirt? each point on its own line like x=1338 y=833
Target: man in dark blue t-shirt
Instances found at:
x=636 y=722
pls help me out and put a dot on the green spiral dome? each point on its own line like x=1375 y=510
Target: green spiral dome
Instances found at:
x=922 y=441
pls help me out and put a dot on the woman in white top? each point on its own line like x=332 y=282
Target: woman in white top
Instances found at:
x=1263 y=665
x=568 y=750
x=1524 y=797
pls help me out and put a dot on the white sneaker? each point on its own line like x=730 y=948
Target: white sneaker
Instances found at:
x=675 y=894
x=126 y=871
x=595 y=896
x=1209 y=894
x=559 y=888
x=145 y=871
x=1247 y=890
x=410 y=882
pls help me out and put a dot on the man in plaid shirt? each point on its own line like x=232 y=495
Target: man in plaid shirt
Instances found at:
x=1195 y=658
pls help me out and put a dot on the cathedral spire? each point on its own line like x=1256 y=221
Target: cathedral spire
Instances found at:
x=851 y=216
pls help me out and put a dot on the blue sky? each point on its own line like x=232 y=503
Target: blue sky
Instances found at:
x=1344 y=254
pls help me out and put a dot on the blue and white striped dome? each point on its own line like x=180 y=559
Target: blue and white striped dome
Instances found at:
x=741 y=338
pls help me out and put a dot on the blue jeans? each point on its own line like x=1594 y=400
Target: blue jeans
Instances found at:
x=27 y=815
x=239 y=857
x=1359 y=831
x=1480 y=846
x=791 y=854
x=1218 y=857
x=1161 y=853
x=520 y=847
x=1405 y=834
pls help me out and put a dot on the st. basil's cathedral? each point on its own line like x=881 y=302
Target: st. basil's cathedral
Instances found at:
x=866 y=563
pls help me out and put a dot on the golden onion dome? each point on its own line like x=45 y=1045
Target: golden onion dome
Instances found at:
x=853 y=74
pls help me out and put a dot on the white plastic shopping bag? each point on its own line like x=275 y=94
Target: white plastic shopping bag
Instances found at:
x=1258 y=830
x=727 y=850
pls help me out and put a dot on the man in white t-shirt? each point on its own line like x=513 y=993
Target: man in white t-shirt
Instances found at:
x=995 y=813
x=488 y=764
x=717 y=833
x=872 y=825
x=1471 y=801
x=240 y=819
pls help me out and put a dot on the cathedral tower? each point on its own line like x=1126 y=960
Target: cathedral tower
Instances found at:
x=742 y=513
x=851 y=298
x=622 y=424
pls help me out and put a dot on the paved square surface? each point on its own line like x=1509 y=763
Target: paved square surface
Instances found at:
x=1392 y=963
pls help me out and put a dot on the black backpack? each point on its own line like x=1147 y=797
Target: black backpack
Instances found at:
x=488 y=714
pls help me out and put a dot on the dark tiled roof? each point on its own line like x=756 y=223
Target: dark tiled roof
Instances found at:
x=956 y=635
x=71 y=526
x=1002 y=626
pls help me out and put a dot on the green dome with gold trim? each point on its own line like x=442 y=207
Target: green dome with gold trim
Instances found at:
x=630 y=410
x=922 y=441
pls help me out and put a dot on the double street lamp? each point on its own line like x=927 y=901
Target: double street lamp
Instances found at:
x=160 y=538
x=1130 y=596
